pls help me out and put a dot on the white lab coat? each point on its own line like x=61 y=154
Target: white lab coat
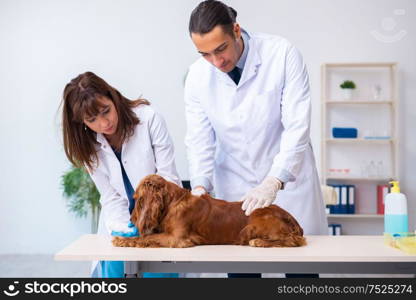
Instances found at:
x=148 y=151
x=238 y=135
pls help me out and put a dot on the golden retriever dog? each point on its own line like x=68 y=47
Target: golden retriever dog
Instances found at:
x=169 y=216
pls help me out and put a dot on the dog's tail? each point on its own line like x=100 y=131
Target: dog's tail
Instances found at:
x=290 y=240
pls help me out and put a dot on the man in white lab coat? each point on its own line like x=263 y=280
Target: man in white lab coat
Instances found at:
x=248 y=111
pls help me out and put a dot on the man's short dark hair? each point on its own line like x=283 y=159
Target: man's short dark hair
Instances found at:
x=209 y=14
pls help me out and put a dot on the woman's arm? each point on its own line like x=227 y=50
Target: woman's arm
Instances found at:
x=114 y=206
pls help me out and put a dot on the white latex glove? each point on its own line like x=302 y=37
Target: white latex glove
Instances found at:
x=198 y=191
x=262 y=195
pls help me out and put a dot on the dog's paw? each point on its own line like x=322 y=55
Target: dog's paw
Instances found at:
x=119 y=242
x=142 y=243
x=258 y=243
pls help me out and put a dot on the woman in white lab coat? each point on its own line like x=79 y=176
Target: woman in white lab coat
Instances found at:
x=248 y=111
x=119 y=141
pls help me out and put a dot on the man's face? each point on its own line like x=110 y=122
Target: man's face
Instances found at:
x=220 y=48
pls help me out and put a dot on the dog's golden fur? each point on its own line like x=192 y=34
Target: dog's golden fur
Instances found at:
x=169 y=216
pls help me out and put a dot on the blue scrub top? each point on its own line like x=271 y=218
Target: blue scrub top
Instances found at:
x=126 y=181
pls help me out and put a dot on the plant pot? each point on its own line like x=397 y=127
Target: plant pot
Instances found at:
x=347 y=94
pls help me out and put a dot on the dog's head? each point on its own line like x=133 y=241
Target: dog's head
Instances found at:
x=152 y=196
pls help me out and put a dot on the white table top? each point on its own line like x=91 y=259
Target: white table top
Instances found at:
x=344 y=248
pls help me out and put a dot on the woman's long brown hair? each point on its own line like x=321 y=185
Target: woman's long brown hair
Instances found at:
x=80 y=101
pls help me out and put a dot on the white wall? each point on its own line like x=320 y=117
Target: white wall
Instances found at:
x=143 y=48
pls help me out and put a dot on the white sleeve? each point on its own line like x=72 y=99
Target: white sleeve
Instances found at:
x=163 y=149
x=114 y=206
x=199 y=141
x=296 y=115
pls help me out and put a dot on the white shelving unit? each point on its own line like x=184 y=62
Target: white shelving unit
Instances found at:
x=370 y=159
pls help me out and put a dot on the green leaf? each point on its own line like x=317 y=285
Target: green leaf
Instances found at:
x=347 y=84
x=80 y=192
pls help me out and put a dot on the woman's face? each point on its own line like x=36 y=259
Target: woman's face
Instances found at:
x=106 y=120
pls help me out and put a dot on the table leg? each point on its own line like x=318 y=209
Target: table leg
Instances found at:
x=131 y=269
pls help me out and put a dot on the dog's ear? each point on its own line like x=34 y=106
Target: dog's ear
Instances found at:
x=154 y=181
x=137 y=207
x=151 y=198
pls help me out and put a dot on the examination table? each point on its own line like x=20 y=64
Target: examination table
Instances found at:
x=345 y=254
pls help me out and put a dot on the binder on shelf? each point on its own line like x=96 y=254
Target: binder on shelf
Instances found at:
x=339 y=207
x=333 y=208
x=334 y=229
x=330 y=229
x=382 y=191
x=337 y=229
x=346 y=200
x=351 y=199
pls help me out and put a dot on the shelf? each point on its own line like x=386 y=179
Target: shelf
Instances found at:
x=361 y=65
x=355 y=216
x=346 y=161
x=365 y=179
x=357 y=102
x=360 y=140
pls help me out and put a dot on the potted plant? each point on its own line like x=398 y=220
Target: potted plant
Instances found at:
x=82 y=195
x=347 y=86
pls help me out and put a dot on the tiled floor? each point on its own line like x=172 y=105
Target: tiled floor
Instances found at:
x=46 y=266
